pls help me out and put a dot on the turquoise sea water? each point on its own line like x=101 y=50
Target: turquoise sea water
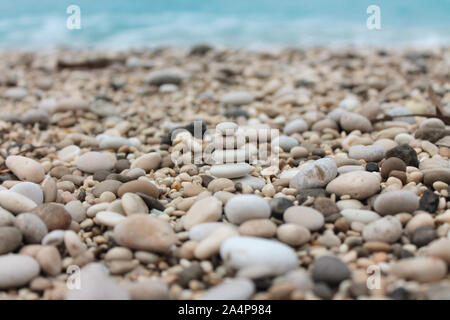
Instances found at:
x=122 y=24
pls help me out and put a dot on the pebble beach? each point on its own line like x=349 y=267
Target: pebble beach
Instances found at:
x=351 y=201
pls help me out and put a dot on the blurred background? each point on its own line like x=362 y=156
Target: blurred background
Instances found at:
x=254 y=24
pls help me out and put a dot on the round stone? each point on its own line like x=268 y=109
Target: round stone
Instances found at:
x=388 y=229
x=358 y=184
x=304 y=216
x=253 y=182
x=440 y=249
x=423 y=236
x=422 y=269
x=143 y=232
x=17 y=270
x=109 y=218
x=284 y=142
x=92 y=161
x=26 y=169
x=203 y=230
x=49 y=259
x=358 y=215
x=32 y=227
x=133 y=204
x=395 y=202
x=55 y=216
x=147 y=162
x=244 y=252
x=76 y=210
x=237 y=98
x=140 y=185
x=108 y=142
x=406 y=153
x=372 y=153
x=230 y=170
x=30 y=190
x=293 y=235
x=69 y=153
x=15 y=202
x=208 y=209
x=227 y=128
x=295 y=126
x=330 y=270
x=53 y=238
x=10 y=239
x=107 y=185
x=6 y=218
x=350 y=121
x=241 y=208
x=315 y=175
x=261 y=228
x=211 y=245
x=391 y=164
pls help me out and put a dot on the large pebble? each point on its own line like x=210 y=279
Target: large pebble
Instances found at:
x=69 y=153
x=304 y=216
x=284 y=142
x=352 y=121
x=108 y=142
x=234 y=289
x=373 y=153
x=315 y=175
x=203 y=230
x=251 y=181
x=208 y=209
x=10 y=239
x=358 y=184
x=241 y=208
x=30 y=190
x=440 y=249
x=330 y=270
x=230 y=170
x=76 y=210
x=406 y=153
x=211 y=245
x=293 y=235
x=94 y=161
x=422 y=269
x=147 y=162
x=15 y=202
x=141 y=186
x=6 y=218
x=32 y=227
x=132 y=204
x=395 y=202
x=237 y=98
x=263 y=228
x=17 y=270
x=109 y=218
x=55 y=216
x=26 y=169
x=388 y=229
x=358 y=215
x=432 y=175
x=242 y=252
x=143 y=232
x=391 y=164
x=49 y=259
x=165 y=76
x=295 y=126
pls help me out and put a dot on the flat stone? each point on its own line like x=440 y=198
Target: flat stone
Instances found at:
x=315 y=175
x=358 y=184
x=350 y=121
x=76 y=210
x=210 y=245
x=279 y=205
x=32 y=227
x=230 y=170
x=227 y=128
x=237 y=98
x=53 y=238
x=26 y=169
x=304 y=216
x=373 y=153
x=147 y=162
x=10 y=239
x=440 y=249
x=358 y=215
x=143 y=232
x=69 y=153
x=387 y=229
x=241 y=208
x=17 y=270
x=242 y=252
x=49 y=260
x=391 y=164
x=165 y=76
x=395 y=202
x=284 y=142
x=261 y=228
x=133 y=204
x=151 y=289
x=30 y=190
x=208 y=209
x=432 y=175
x=109 y=142
x=6 y=218
x=94 y=161
x=109 y=218
x=15 y=202
x=54 y=216
x=145 y=187
x=107 y=185
x=253 y=182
